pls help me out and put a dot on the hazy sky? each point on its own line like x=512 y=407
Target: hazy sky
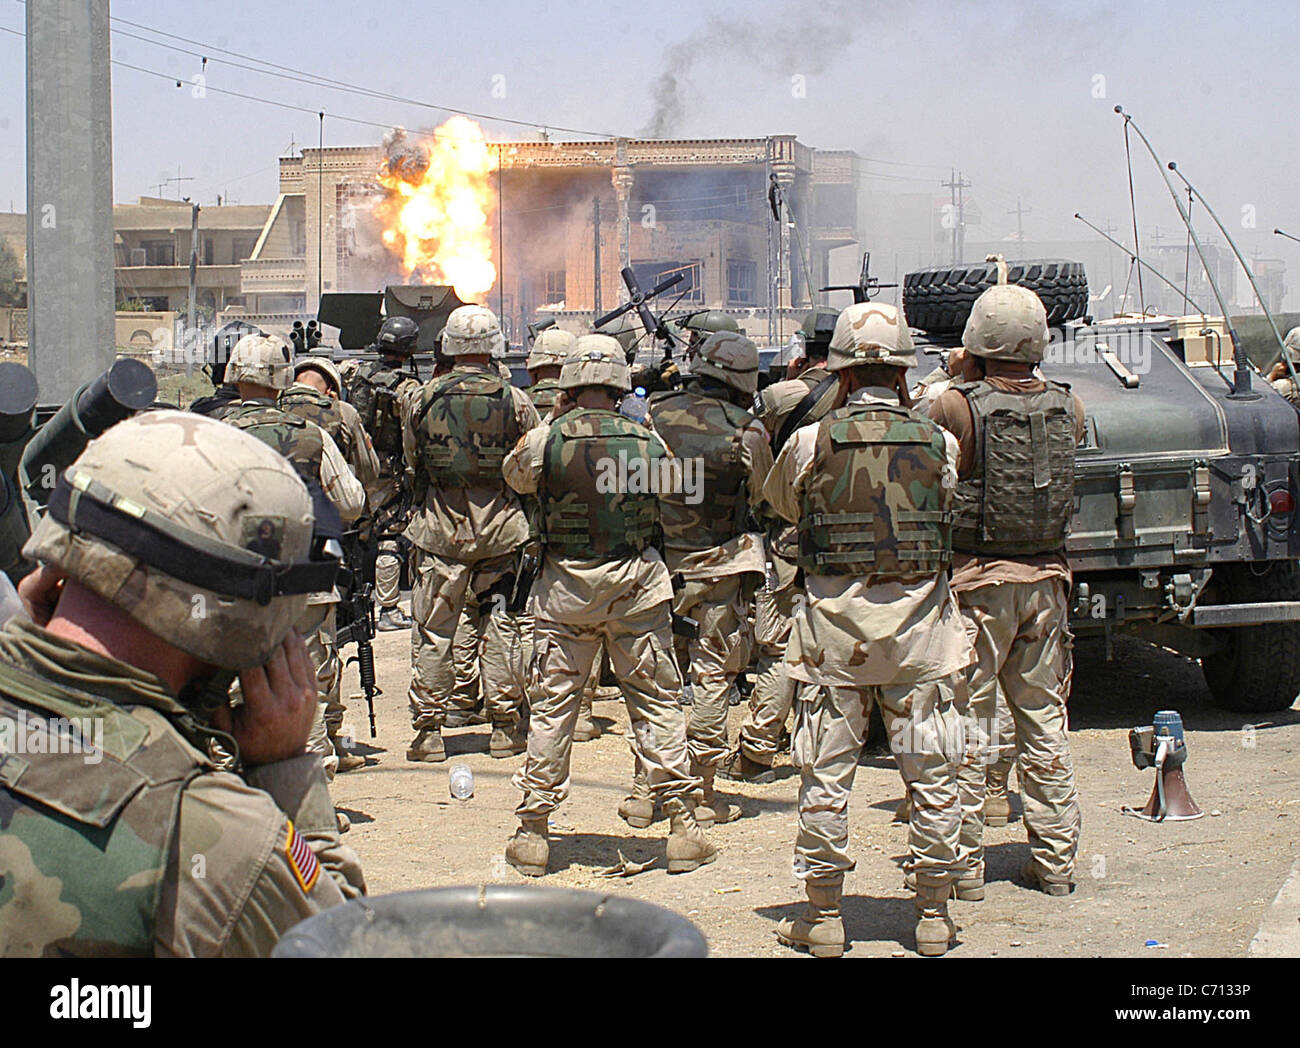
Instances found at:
x=1005 y=91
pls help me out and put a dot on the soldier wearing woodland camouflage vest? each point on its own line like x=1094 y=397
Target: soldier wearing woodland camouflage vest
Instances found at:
x=467 y=530
x=174 y=548
x=259 y=367
x=1017 y=434
x=603 y=582
x=544 y=362
x=712 y=546
x=870 y=488
x=314 y=396
x=379 y=389
x=783 y=407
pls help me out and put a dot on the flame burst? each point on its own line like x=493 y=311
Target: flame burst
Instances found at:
x=435 y=211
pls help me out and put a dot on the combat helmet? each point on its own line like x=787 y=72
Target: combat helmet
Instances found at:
x=596 y=360
x=1292 y=343
x=261 y=360
x=623 y=328
x=871 y=333
x=704 y=324
x=472 y=331
x=818 y=326
x=397 y=337
x=731 y=358
x=327 y=367
x=197 y=530
x=550 y=349
x=1007 y=322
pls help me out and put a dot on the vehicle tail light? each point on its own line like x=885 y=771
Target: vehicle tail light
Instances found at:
x=1281 y=502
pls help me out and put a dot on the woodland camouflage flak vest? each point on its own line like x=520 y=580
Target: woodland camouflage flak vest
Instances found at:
x=1020 y=494
x=875 y=505
x=543 y=394
x=709 y=431
x=318 y=408
x=85 y=847
x=288 y=434
x=373 y=392
x=597 y=501
x=464 y=429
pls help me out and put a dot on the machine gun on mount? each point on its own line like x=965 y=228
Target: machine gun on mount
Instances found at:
x=652 y=377
x=867 y=286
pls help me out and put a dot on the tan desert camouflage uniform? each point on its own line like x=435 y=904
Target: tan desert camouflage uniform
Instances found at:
x=1015 y=604
x=619 y=596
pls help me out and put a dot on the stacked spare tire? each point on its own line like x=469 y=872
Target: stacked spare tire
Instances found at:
x=939 y=300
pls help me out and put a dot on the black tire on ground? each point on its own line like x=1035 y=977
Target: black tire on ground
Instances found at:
x=1258 y=670
x=940 y=300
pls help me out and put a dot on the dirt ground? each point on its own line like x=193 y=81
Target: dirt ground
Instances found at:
x=1197 y=888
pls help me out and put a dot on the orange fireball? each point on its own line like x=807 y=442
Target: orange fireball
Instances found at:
x=436 y=211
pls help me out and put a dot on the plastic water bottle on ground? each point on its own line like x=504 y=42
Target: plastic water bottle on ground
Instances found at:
x=461 y=782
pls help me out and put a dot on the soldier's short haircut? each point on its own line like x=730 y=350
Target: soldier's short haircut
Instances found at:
x=874 y=374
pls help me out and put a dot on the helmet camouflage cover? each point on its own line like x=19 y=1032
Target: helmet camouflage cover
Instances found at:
x=871 y=333
x=596 y=360
x=1007 y=322
x=261 y=360
x=550 y=349
x=472 y=331
x=323 y=364
x=1292 y=343
x=730 y=358
x=176 y=478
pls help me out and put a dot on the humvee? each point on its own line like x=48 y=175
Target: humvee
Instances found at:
x=1184 y=530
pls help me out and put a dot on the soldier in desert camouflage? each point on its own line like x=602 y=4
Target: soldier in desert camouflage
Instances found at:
x=871 y=489
x=1279 y=377
x=467 y=530
x=711 y=544
x=603 y=582
x=174 y=547
x=260 y=368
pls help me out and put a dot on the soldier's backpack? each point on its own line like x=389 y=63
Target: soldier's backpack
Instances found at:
x=373 y=392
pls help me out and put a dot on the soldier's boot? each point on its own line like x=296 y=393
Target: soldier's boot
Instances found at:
x=934 y=928
x=393 y=618
x=819 y=929
x=903 y=813
x=712 y=809
x=738 y=768
x=529 y=849
x=966 y=887
x=638 y=808
x=347 y=761
x=586 y=728
x=688 y=848
x=997 y=806
x=1036 y=878
x=509 y=739
x=427 y=747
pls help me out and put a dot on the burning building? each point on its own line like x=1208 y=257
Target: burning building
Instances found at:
x=539 y=229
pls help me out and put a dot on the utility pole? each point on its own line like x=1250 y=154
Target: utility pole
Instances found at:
x=957 y=184
x=191 y=337
x=595 y=283
x=70 y=273
x=1020 y=212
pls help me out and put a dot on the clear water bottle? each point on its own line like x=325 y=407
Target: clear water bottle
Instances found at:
x=460 y=780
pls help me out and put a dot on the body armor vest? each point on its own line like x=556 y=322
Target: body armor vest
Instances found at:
x=465 y=427
x=543 y=394
x=217 y=403
x=320 y=409
x=1020 y=494
x=104 y=829
x=874 y=504
x=373 y=393
x=597 y=486
x=288 y=434
x=704 y=433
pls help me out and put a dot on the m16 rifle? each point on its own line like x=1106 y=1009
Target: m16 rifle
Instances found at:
x=867 y=286
x=356 y=613
x=659 y=376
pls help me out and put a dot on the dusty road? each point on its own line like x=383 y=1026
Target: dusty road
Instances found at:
x=1199 y=887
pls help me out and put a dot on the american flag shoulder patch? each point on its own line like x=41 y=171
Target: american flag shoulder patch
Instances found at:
x=302 y=860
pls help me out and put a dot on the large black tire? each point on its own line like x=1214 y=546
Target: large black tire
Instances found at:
x=1258 y=670
x=939 y=300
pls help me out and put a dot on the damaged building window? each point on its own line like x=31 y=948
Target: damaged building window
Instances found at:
x=741 y=280
x=648 y=274
x=554 y=287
